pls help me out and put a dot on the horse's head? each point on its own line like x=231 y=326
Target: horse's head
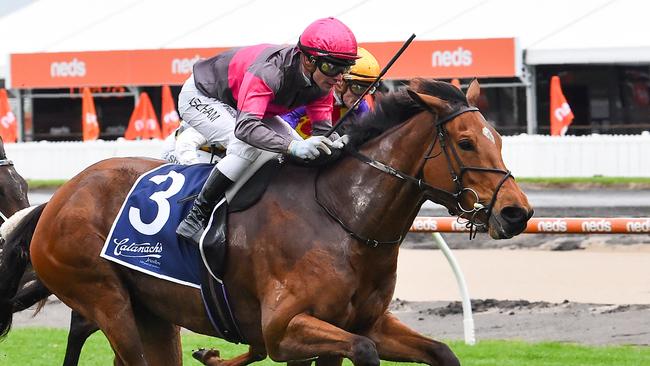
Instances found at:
x=477 y=185
x=13 y=188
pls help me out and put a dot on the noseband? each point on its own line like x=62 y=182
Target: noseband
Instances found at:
x=451 y=155
x=4 y=162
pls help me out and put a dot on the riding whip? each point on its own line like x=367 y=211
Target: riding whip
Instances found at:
x=374 y=83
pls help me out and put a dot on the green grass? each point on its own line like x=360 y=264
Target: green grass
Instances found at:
x=605 y=181
x=45 y=183
x=45 y=347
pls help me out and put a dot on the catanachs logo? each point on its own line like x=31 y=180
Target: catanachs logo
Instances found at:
x=137 y=250
x=184 y=65
x=65 y=69
x=459 y=57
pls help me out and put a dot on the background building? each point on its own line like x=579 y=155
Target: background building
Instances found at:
x=120 y=48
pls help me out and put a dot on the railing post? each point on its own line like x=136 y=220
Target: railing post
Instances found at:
x=468 y=321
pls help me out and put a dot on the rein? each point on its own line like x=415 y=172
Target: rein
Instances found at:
x=449 y=151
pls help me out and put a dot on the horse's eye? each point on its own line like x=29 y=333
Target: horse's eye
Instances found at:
x=466 y=145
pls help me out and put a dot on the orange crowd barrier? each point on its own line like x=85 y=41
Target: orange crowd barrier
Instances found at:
x=546 y=225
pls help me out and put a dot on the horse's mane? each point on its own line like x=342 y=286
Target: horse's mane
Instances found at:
x=397 y=107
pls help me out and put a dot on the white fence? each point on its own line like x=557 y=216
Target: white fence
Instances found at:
x=525 y=155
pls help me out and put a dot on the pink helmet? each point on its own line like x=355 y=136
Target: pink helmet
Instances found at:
x=328 y=37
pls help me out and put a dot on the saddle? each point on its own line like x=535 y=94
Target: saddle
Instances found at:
x=213 y=246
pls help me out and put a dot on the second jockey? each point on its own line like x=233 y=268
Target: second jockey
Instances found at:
x=232 y=99
x=354 y=83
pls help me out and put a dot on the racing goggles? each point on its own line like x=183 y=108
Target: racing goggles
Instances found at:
x=358 y=88
x=331 y=69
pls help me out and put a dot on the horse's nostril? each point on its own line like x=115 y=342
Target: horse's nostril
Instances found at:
x=514 y=214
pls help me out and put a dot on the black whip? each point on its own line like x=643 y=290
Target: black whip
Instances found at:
x=374 y=83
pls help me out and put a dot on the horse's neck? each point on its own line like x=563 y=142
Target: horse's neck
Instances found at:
x=372 y=203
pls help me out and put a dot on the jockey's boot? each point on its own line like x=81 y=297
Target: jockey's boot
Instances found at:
x=191 y=228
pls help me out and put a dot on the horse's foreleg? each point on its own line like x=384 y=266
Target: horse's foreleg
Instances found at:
x=397 y=342
x=80 y=330
x=211 y=357
x=306 y=337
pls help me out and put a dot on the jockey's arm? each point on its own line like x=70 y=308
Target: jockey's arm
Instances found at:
x=254 y=97
x=187 y=145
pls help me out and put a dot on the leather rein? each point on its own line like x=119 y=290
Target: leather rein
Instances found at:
x=451 y=155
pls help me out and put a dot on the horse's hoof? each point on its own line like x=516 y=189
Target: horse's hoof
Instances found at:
x=202 y=354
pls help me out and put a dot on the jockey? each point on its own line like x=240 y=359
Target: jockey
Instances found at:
x=231 y=99
x=346 y=93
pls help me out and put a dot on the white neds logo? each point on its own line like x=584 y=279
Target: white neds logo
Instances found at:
x=149 y=124
x=562 y=111
x=63 y=69
x=171 y=117
x=553 y=226
x=8 y=119
x=638 y=226
x=597 y=226
x=184 y=65
x=427 y=224
x=456 y=58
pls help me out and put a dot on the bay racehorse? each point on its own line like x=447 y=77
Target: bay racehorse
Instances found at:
x=312 y=266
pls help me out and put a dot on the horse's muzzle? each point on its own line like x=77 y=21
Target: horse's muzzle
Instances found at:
x=509 y=221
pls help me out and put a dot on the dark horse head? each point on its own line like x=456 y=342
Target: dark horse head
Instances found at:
x=13 y=188
x=462 y=168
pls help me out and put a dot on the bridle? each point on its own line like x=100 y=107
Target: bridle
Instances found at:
x=470 y=215
x=4 y=162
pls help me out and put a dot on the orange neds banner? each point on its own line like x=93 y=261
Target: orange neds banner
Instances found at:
x=8 y=125
x=463 y=58
x=89 y=122
x=170 y=119
x=143 y=123
x=105 y=68
x=561 y=114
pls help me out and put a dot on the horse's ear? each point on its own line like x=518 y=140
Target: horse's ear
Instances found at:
x=429 y=102
x=473 y=92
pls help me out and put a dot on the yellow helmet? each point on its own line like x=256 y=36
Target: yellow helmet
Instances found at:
x=366 y=68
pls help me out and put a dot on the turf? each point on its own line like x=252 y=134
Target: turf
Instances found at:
x=41 y=347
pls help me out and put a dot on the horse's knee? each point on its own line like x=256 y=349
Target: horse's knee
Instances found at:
x=364 y=352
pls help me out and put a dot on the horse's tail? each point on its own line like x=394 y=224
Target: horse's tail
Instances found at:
x=16 y=236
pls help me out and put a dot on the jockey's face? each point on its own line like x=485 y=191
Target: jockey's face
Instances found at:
x=345 y=94
x=324 y=82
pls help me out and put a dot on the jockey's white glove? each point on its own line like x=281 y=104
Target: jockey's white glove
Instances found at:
x=341 y=141
x=310 y=148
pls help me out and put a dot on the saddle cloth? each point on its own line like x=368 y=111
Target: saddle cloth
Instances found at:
x=143 y=235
